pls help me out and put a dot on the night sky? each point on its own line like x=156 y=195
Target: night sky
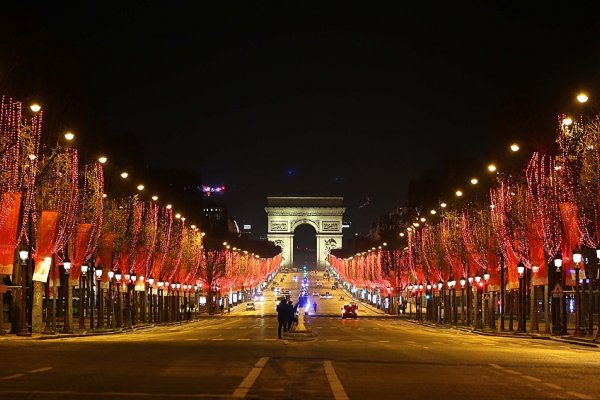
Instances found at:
x=352 y=100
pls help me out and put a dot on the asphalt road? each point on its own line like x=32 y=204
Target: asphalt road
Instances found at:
x=238 y=355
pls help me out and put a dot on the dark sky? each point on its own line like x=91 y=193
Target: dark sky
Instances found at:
x=354 y=100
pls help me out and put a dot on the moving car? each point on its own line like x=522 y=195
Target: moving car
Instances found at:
x=250 y=306
x=350 y=310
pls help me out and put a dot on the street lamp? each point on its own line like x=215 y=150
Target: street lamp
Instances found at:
x=463 y=282
x=82 y=295
x=577 y=255
x=150 y=306
x=24 y=330
x=521 y=308
x=69 y=299
x=159 y=316
x=133 y=278
x=119 y=300
x=111 y=313
x=100 y=323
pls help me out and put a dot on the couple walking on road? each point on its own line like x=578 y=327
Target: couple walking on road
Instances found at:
x=286 y=315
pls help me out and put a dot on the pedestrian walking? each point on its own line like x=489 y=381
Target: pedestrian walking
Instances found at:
x=292 y=315
x=315 y=307
x=282 y=316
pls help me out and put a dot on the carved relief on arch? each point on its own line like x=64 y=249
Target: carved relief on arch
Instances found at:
x=297 y=223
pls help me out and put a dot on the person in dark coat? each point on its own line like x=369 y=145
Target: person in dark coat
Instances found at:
x=282 y=316
x=292 y=315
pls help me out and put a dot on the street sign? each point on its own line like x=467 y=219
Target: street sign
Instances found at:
x=557 y=291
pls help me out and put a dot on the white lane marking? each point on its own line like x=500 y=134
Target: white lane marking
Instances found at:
x=579 y=395
x=418 y=345
x=496 y=366
x=336 y=386
x=269 y=340
x=510 y=371
x=246 y=339
x=357 y=340
x=249 y=380
x=332 y=340
x=192 y=339
x=12 y=376
x=219 y=339
x=33 y=371
x=532 y=378
x=384 y=341
x=552 y=385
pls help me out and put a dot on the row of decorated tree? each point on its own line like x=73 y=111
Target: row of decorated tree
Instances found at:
x=54 y=210
x=542 y=226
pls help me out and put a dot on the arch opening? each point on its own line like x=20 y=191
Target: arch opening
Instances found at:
x=305 y=247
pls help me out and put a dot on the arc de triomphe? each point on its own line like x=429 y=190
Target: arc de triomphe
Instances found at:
x=324 y=214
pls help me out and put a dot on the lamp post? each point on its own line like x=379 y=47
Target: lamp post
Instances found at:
x=82 y=293
x=440 y=286
x=521 y=308
x=469 y=302
x=178 y=286
x=128 y=301
x=478 y=308
x=119 y=301
x=577 y=260
x=166 y=317
x=490 y=301
x=462 y=281
x=559 y=306
x=92 y=294
x=23 y=330
x=69 y=298
x=111 y=307
x=452 y=283
x=133 y=278
x=100 y=323
x=428 y=301
x=159 y=315
x=597 y=275
x=151 y=302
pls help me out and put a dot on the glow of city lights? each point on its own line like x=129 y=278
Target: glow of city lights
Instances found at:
x=416 y=224
x=35 y=107
x=102 y=159
x=103 y=195
x=433 y=212
x=443 y=205
x=155 y=197
x=193 y=226
x=32 y=157
x=491 y=168
x=514 y=147
x=401 y=234
x=69 y=136
x=582 y=97
x=567 y=121
x=169 y=206
x=140 y=187
x=474 y=181
x=423 y=219
x=124 y=175
x=177 y=215
x=459 y=193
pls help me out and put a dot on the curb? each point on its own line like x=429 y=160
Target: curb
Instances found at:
x=514 y=335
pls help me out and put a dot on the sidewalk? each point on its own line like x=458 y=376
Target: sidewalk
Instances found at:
x=580 y=341
x=88 y=332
